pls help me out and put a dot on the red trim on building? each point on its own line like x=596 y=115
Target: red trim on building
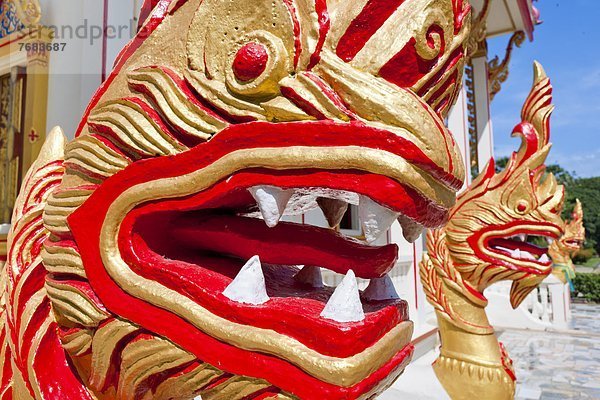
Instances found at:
x=527 y=17
x=19 y=37
x=104 y=40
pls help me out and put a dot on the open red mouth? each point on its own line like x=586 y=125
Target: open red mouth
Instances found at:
x=523 y=246
x=185 y=226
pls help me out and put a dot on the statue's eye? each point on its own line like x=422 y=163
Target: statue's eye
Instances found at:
x=522 y=207
x=250 y=61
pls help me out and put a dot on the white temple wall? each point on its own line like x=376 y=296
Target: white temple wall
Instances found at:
x=93 y=32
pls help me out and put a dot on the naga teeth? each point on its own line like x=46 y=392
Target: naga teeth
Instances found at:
x=550 y=241
x=248 y=287
x=375 y=219
x=411 y=230
x=272 y=202
x=344 y=304
x=516 y=254
x=544 y=259
x=523 y=255
x=521 y=237
x=333 y=210
x=310 y=276
x=381 y=289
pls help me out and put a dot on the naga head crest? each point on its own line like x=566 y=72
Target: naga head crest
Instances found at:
x=490 y=226
x=574 y=236
x=221 y=117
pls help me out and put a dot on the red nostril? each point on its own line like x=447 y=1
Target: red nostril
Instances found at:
x=250 y=61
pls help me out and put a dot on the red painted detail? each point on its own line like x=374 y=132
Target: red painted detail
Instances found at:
x=179 y=135
x=158 y=247
x=461 y=11
x=406 y=68
x=113 y=147
x=324 y=26
x=155 y=19
x=323 y=134
x=86 y=228
x=297 y=38
x=302 y=103
x=452 y=61
x=303 y=244
x=51 y=362
x=190 y=93
x=531 y=138
x=372 y=17
x=474 y=240
x=147 y=8
x=331 y=95
x=19 y=37
x=250 y=61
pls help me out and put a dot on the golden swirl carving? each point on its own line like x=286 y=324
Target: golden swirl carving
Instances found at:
x=132 y=125
x=145 y=357
x=188 y=384
x=62 y=260
x=73 y=305
x=176 y=108
x=498 y=70
x=104 y=344
x=78 y=342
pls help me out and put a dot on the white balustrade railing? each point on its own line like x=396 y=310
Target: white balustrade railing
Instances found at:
x=546 y=307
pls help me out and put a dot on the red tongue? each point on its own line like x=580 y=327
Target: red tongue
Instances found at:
x=286 y=244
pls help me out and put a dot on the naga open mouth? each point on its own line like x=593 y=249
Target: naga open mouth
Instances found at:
x=522 y=247
x=200 y=248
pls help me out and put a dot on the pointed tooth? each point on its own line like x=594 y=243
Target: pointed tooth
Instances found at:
x=310 y=276
x=528 y=256
x=381 y=289
x=271 y=201
x=522 y=237
x=544 y=259
x=549 y=240
x=333 y=210
x=344 y=304
x=249 y=285
x=411 y=230
x=375 y=219
x=516 y=254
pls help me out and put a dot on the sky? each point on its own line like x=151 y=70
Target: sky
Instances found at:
x=567 y=44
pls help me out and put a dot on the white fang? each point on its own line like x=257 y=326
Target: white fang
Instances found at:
x=272 y=202
x=375 y=219
x=248 y=287
x=344 y=304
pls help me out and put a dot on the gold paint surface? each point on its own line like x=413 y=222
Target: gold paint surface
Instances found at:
x=563 y=250
x=457 y=269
